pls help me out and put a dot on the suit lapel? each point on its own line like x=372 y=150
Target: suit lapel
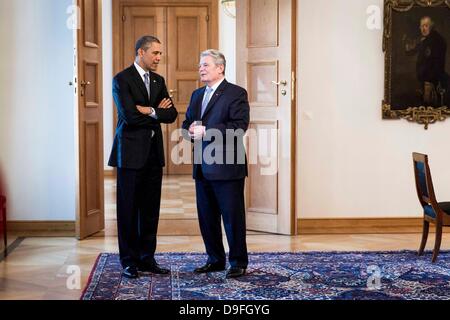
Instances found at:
x=198 y=103
x=215 y=97
x=139 y=82
x=153 y=89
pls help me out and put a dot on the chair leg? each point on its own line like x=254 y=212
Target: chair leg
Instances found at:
x=437 y=243
x=5 y=238
x=3 y=212
x=426 y=227
x=3 y=219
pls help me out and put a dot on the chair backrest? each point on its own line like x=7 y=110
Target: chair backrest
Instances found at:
x=424 y=183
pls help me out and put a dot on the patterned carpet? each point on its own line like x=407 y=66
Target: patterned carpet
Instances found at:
x=399 y=275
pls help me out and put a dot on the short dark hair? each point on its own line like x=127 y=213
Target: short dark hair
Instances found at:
x=145 y=42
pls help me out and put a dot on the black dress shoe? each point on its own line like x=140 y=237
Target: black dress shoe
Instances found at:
x=130 y=272
x=153 y=268
x=235 y=272
x=209 y=268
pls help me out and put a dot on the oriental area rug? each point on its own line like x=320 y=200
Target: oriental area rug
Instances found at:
x=393 y=275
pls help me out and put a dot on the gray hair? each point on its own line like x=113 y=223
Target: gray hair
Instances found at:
x=428 y=18
x=145 y=42
x=218 y=57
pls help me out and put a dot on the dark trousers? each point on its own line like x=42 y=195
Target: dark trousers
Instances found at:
x=226 y=199
x=138 y=204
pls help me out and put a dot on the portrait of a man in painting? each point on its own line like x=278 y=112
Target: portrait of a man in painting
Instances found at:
x=417 y=65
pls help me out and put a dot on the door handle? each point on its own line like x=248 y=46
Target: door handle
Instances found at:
x=171 y=92
x=83 y=85
x=281 y=83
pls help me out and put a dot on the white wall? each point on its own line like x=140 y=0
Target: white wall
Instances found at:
x=351 y=162
x=227 y=43
x=37 y=147
x=108 y=107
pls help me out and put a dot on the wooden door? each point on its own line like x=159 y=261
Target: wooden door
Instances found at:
x=185 y=28
x=189 y=34
x=266 y=51
x=90 y=211
x=137 y=22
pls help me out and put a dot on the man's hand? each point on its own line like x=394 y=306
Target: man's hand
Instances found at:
x=165 y=104
x=144 y=110
x=197 y=132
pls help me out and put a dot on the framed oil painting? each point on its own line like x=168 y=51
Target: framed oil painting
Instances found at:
x=417 y=60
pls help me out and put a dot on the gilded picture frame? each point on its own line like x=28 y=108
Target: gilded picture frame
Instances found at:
x=417 y=60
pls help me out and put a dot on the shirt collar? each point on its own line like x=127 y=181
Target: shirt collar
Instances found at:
x=141 y=71
x=214 y=87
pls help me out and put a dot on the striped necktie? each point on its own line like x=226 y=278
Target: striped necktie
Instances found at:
x=206 y=99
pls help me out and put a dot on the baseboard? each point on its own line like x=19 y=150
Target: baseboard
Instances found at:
x=109 y=173
x=190 y=227
x=360 y=226
x=42 y=228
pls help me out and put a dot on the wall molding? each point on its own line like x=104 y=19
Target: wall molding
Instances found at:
x=360 y=226
x=42 y=228
x=305 y=226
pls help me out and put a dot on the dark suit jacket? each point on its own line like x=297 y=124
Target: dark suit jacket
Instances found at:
x=228 y=109
x=133 y=139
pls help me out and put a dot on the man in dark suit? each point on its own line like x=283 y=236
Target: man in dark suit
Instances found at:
x=142 y=104
x=223 y=110
x=431 y=51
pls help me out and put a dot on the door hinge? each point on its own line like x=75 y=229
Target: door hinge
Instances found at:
x=207 y=18
x=124 y=18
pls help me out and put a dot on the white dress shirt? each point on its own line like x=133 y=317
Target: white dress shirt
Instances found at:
x=214 y=88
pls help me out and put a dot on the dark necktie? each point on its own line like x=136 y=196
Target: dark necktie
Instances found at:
x=147 y=83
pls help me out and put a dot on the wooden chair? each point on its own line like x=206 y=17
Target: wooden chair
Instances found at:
x=433 y=211
x=3 y=220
